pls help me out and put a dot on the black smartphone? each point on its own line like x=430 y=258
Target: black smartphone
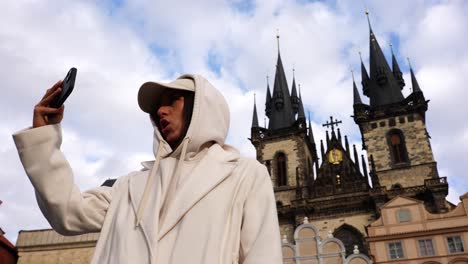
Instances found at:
x=67 y=87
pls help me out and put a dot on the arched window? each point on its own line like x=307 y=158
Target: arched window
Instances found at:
x=281 y=169
x=397 y=146
x=350 y=236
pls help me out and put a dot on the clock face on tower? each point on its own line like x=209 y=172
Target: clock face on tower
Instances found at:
x=335 y=156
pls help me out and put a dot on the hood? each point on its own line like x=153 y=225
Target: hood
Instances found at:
x=209 y=123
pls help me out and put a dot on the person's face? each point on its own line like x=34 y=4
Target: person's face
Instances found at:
x=171 y=116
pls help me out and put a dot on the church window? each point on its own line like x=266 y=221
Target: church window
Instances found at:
x=455 y=244
x=404 y=215
x=374 y=125
x=395 y=250
x=382 y=123
x=397 y=146
x=426 y=247
x=350 y=237
x=402 y=120
x=281 y=169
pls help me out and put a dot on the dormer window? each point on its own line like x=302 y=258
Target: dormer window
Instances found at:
x=404 y=215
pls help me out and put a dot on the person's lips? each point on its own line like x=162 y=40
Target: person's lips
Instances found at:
x=164 y=125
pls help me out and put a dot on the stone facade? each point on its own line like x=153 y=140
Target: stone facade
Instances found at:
x=310 y=247
x=407 y=233
x=47 y=246
x=297 y=156
x=420 y=165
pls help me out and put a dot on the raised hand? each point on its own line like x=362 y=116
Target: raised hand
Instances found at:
x=43 y=113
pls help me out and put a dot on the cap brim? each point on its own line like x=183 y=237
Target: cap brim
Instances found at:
x=150 y=92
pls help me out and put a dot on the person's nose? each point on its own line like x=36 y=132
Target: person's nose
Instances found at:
x=163 y=111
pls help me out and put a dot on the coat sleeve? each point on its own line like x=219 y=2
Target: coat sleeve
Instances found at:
x=260 y=236
x=68 y=211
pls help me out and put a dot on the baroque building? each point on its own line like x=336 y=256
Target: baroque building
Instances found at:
x=328 y=182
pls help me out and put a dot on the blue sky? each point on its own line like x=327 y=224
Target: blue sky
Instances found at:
x=118 y=45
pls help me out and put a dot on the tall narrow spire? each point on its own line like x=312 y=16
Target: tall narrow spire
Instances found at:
x=414 y=82
x=294 y=97
x=356 y=159
x=364 y=78
x=322 y=150
x=346 y=145
x=282 y=114
x=356 y=96
x=268 y=102
x=368 y=20
x=383 y=87
x=255 y=117
x=277 y=40
x=311 y=138
x=300 y=112
x=396 y=70
x=339 y=135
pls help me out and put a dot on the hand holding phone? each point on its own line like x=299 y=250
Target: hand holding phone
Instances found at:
x=50 y=109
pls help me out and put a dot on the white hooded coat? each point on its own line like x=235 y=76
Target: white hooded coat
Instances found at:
x=219 y=209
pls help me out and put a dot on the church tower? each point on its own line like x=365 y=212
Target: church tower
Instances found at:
x=285 y=145
x=394 y=131
x=327 y=192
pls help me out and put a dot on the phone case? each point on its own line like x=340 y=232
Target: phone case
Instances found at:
x=67 y=87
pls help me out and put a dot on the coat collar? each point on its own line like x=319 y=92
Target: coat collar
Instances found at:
x=193 y=189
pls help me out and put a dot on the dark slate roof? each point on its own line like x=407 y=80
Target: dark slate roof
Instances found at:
x=268 y=102
x=294 y=97
x=383 y=87
x=397 y=72
x=414 y=82
x=255 y=117
x=364 y=79
x=357 y=97
x=300 y=112
x=282 y=115
x=311 y=133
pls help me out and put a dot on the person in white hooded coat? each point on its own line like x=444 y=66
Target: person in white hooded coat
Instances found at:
x=199 y=203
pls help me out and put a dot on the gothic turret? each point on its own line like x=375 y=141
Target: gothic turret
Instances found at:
x=282 y=115
x=294 y=97
x=255 y=117
x=364 y=78
x=383 y=87
x=396 y=70
x=300 y=112
x=268 y=100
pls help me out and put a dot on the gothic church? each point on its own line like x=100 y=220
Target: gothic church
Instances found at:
x=328 y=182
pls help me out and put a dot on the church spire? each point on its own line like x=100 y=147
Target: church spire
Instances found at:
x=300 y=112
x=282 y=114
x=294 y=98
x=255 y=117
x=396 y=70
x=383 y=87
x=357 y=97
x=268 y=100
x=364 y=78
x=311 y=133
x=414 y=82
